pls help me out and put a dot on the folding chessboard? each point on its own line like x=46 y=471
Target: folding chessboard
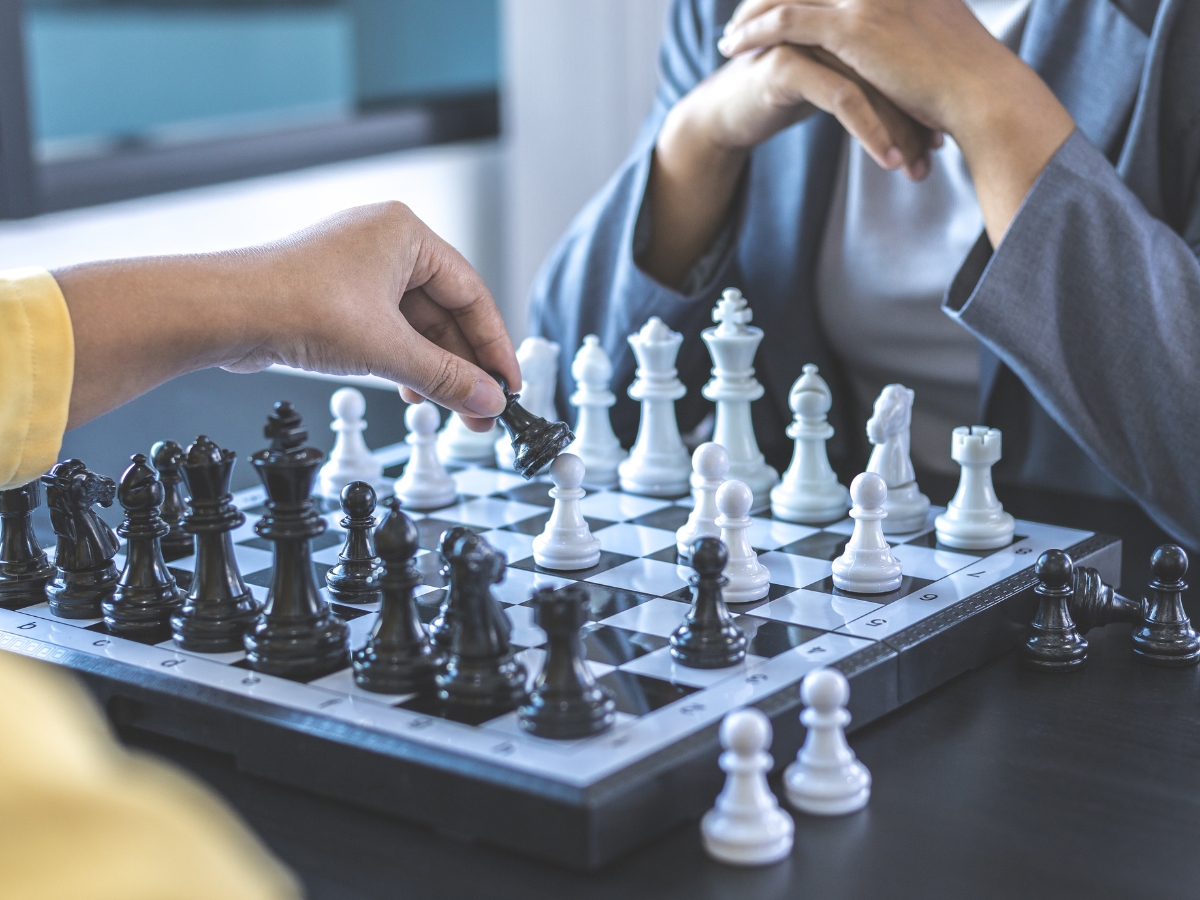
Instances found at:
x=584 y=802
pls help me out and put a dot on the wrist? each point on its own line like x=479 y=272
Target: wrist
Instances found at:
x=691 y=140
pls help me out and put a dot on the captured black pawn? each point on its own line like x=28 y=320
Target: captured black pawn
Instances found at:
x=398 y=657
x=297 y=635
x=708 y=637
x=566 y=702
x=1095 y=604
x=146 y=595
x=219 y=609
x=1165 y=636
x=1053 y=643
x=441 y=629
x=84 y=574
x=355 y=578
x=24 y=569
x=535 y=441
x=167 y=456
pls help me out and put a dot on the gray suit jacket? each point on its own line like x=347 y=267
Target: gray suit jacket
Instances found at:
x=1088 y=313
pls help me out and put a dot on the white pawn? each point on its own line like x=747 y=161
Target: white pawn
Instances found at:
x=810 y=492
x=538 y=359
x=351 y=459
x=567 y=544
x=425 y=483
x=459 y=444
x=746 y=827
x=595 y=443
x=889 y=429
x=749 y=579
x=826 y=779
x=867 y=566
x=710 y=465
x=975 y=518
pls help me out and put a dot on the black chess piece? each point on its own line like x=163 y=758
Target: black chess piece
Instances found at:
x=219 y=609
x=355 y=578
x=1165 y=636
x=167 y=456
x=398 y=657
x=535 y=441
x=708 y=637
x=566 y=702
x=297 y=635
x=146 y=595
x=24 y=569
x=481 y=679
x=441 y=629
x=1095 y=604
x=84 y=573
x=1054 y=644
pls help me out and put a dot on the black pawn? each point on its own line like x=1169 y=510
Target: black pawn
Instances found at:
x=708 y=637
x=1095 y=604
x=1054 y=644
x=297 y=635
x=146 y=595
x=24 y=568
x=565 y=702
x=355 y=578
x=167 y=456
x=441 y=629
x=1166 y=637
x=535 y=441
x=84 y=573
x=219 y=609
x=398 y=657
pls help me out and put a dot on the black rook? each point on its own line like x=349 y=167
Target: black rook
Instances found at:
x=24 y=569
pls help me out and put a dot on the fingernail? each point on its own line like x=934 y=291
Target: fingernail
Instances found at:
x=894 y=158
x=920 y=169
x=725 y=45
x=486 y=400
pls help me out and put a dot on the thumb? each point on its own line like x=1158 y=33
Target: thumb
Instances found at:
x=450 y=381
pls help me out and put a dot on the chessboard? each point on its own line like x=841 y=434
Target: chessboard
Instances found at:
x=584 y=802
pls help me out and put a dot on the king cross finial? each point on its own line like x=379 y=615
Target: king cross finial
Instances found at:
x=731 y=314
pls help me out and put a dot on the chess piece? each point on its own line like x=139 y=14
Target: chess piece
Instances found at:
x=538 y=359
x=747 y=579
x=84 y=574
x=167 y=456
x=746 y=827
x=708 y=637
x=219 y=609
x=534 y=441
x=596 y=444
x=146 y=595
x=658 y=464
x=398 y=657
x=567 y=543
x=975 y=520
x=566 y=702
x=441 y=629
x=1094 y=604
x=888 y=429
x=297 y=636
x=732 y=345
x=710 y=465
x=24 y=569
x=355 y=578
x=1053 y=643
x=810 y=492
x=1165 y=636
x=350 y=459
x=425 y=483
x=826 y=779
x=867 y=566
x=456 y=443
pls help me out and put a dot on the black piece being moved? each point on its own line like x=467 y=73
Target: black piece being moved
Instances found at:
x=1165 y=636
x=24 y=569
x=535 y=441
x=1095 y=604
x=219 y=609
x=566 y=702
x=1054 y=644
x=708 y=637
x=355 y=578
x=398 y=657
x=441 y=629
x=146 y=595
x=83 y=558
x=167 y=457
x=297 y=635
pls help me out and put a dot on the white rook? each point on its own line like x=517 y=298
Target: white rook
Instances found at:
x=975 y=518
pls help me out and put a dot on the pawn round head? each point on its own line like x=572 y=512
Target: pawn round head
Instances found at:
x=734 y=499
x=868 y=490
x=1169 y=564
x=1054 y=569
x=709 y=556
x=140 y=488
x=746 y=731
x=396 y=537
x=358 y=499
x=422 y=418
x=567 y=471
x=711 y=461
x=825 y=690
x=348 y=404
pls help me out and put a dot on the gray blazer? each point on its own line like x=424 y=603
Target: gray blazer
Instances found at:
x=1088 y=313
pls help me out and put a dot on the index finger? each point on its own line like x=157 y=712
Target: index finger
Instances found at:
x=751 y=9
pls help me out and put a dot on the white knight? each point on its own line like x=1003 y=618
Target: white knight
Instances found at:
x=889 y=430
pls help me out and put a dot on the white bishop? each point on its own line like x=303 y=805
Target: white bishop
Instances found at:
x=595 y=442
x=810 y=492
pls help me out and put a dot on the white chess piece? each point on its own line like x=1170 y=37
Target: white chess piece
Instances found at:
x=810 y=492
x=425 y=483
x=566 y=543
x=746 y=827
x=595 y=442
x=867 y=566
x=826 y=779
x=732 y=345
x=538 y=359
x=459 y=444
x=889 y=430
x=658 y=465
x=749 y=579
x=710 y=465
x=975 y=518
x=351 y=459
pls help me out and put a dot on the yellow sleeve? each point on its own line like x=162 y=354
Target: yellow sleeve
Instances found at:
x=37 y=366
x=81 y=817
